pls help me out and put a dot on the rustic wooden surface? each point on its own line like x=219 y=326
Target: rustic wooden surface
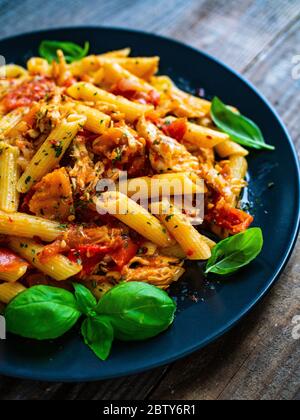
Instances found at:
x=259 y=359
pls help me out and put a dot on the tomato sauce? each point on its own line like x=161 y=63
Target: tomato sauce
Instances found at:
x=28 y=92
x=10 y=262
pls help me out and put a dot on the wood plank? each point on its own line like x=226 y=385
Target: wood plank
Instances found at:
x=233 y=31
x=131 y=387
x=259 y=359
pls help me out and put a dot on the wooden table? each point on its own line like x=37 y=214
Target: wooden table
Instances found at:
x=259 y=359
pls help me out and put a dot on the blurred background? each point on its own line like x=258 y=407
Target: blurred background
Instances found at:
x=259 y=359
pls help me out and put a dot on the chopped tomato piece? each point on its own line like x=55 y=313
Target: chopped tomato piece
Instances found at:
x=134 y=92
x=176 y=129
x=88 y=255
x=9 y=261
x=69 y=82
x=125 y=253
x=28 y=92
x=230 y=218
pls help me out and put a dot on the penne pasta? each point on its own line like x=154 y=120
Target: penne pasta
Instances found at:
x=201 y=136
x=37 y=65
x=8 y=291
x=159 y=185
x=182 y=104
x=191 y=241
x=57 y=267
x=238 y=169
x=14 y=275
x=229 y=148
x=51 y=151
x=10 y=120
x=124 y=52
x=89 y=92
x=143 y=67
x=28 y=226
x=9 y=175
x=113 y=73
x=134 y=216
x=12 y=71
x=96 y=121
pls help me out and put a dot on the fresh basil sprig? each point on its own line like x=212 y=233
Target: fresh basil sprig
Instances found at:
x=235 y=252
x=42 y=313
x=86 y=301
x=240 y=129
x=72 y=51
x=129 y=311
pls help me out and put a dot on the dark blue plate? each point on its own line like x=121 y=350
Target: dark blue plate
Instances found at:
x=220 y=305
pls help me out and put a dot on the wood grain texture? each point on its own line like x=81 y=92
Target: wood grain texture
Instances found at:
x=259 y=358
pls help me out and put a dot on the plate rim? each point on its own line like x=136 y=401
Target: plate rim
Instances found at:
x=284 y=260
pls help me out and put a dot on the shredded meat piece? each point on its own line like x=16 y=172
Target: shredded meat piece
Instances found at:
x=217 y=181
x=157 y=270
x=53 y=196
x=122 y=147
x=77 y=235
x=84 y=174
x=166 y=153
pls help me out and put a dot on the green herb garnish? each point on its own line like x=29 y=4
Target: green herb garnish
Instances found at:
x=235 y=252
x=129 y=311
x=240 y=129
x=72 y=51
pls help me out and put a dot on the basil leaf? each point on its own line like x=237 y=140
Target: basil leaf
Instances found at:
x=42 y=312
x=235 y=252
x=86 y=301
x=137 y=310
x=72 y=52
x=240 y=129
x=98 y=334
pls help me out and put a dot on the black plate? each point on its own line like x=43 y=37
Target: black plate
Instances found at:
x=221 y=304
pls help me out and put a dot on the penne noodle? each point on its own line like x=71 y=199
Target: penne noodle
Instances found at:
x=112 y=73
x=8 y=291
x=161 y=185
x=10 y=120
x=57 y=267
x=124 y=52
x=28 y=226
x=143 y=67
x=229 y=148
x=134 y=216
x=96 y=121
x=9 y=175
x=191 y=241
x=187 y=105
x=14 y=275
x=51 y=151
x=201 y=136
x=238 y=166
x=12 y=71
x=37 y=65
x=89 y=92
x=238 y=170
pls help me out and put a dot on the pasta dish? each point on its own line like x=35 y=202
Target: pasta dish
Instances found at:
x=66 y=124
